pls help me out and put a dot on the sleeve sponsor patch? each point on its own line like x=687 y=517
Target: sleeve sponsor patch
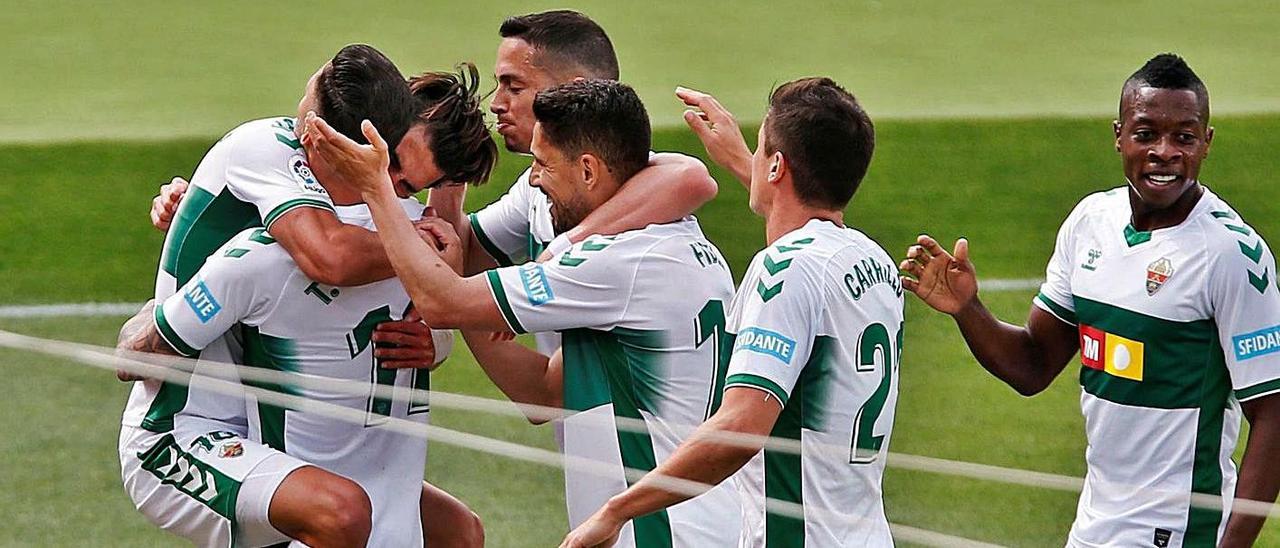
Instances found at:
x=302 y=173
x=202 y=302
x=535 y=283
x=1258 y=343
x=763 y=341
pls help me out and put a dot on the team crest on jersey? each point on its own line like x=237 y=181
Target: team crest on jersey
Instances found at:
x=1158 y=273
x=231 y=450
x=306 y=179
x=1111 y=353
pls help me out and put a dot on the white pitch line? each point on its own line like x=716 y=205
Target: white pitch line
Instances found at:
x=128 y=309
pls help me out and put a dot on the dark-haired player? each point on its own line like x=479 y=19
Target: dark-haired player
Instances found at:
x=817 y=325
x=641 y=313
x=237 y=485
x=1169 y=298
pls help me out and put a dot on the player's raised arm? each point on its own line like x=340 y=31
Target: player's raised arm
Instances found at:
x=716 y=127
x=1026 y=358
x=444 y=298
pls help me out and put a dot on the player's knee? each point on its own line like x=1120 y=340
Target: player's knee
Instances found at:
x=472 y=530
x=343 y=514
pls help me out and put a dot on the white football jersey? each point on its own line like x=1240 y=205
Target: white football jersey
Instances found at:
x=251 y=177
x=818 y=325
x=289 y=323
x=642 y=319
x=1177 y=325
x=515 y=229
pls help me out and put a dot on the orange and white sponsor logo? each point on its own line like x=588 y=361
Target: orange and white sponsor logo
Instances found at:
x=1111 y=353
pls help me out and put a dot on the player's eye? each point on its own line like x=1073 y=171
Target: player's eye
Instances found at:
x=1187 y=138
x=1143 y=134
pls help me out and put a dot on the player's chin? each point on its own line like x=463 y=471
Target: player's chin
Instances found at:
x=404 y=190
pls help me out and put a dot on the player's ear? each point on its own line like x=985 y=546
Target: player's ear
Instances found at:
x=590 y=168
x=1115 y=128
x=777 y=167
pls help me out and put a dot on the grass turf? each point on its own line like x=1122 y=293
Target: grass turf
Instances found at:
x=1004 y=184
x=158 y=70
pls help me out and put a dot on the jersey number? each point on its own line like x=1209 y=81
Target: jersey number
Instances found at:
x=379 y=408
x=875 y=352
x=709 y=325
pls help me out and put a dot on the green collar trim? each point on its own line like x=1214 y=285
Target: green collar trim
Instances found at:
x=1133 y=236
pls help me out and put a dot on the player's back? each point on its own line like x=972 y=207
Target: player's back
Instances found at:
x=255 y=173
x=324 y=331
x=250 y=177
x=818 y=323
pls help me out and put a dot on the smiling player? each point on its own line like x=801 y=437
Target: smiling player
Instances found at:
x=1169 y=298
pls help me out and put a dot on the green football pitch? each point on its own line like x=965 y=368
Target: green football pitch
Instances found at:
x=992 y=121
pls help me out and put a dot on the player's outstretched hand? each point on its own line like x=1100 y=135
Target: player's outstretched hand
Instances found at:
x=942 y=280
x=718 y=130
x=447 y=243
x=361 y=167
x=164 y=206
x=405 y=344
x=600 y=529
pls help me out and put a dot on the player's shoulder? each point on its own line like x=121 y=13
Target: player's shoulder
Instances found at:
x=253 y=254
x=1226 y=233
x=266 y=141
x=1100 y=204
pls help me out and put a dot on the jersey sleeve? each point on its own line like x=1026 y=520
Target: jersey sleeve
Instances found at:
x=1055 y=295
x=235 y=285
x=1246 y=304
x=589 y=286
x=275 y=181
x=779 y=321
x=502 y=228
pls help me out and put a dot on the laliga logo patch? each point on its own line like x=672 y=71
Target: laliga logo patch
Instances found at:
x=306 y=179
x=1157 y=274
x=231 y=450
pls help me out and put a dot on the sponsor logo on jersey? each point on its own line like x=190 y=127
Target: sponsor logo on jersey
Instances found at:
x=1161 y=538
x=201 y=301
x=535 y=283
x=231 y=450
x=1258 y=343
x=769 y=343
x=1158 y=273
x=1110 y=353
x=306 y=179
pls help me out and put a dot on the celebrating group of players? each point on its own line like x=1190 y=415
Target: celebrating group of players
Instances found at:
x=298 y=247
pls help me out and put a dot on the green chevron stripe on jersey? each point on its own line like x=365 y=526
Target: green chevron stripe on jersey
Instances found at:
x=629 y=375
x=783 y=479
x=1178 y=355
x=276 y=354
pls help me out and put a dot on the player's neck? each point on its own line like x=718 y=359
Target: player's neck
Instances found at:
x=788 y=215
x=1146 y=219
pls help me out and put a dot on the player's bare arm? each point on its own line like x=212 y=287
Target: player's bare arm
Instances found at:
x=1257 y=481
x=669 y=188
x=445 y=299
x=702 y=459
x=716 y=127
x=327 y=250
x=140 y=334
x=1026 y=358
x=524 y=375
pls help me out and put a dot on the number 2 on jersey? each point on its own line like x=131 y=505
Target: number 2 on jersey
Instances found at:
x=875 y=352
